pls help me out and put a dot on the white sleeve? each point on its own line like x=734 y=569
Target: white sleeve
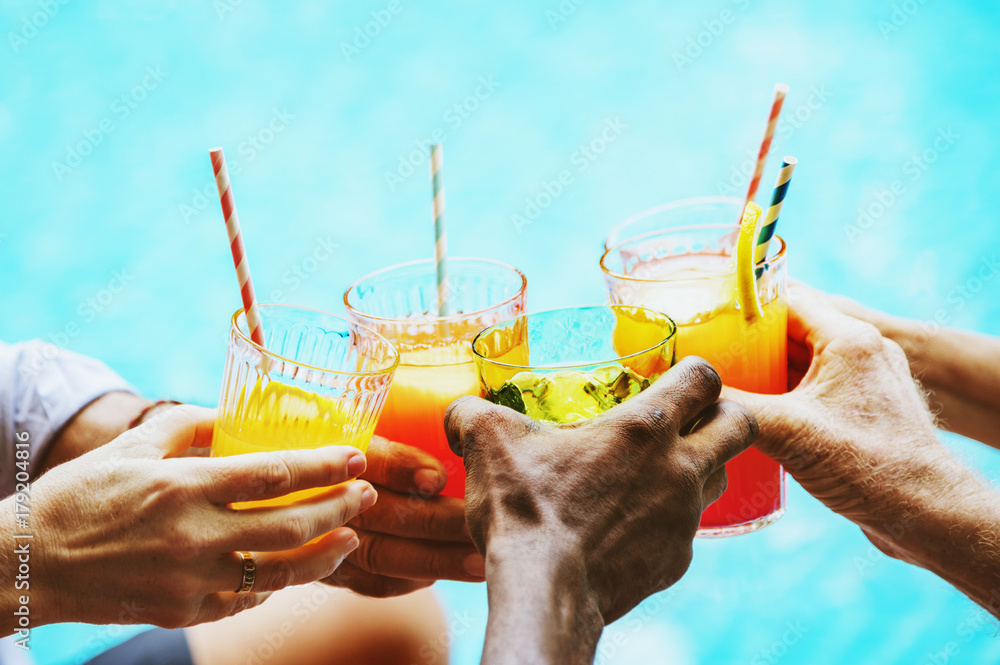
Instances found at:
x=41 y=388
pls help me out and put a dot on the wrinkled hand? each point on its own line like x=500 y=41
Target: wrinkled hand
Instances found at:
x=856 y=432
x=133 y=534
x=412 y=536
x=956 y=368
x=622 y=493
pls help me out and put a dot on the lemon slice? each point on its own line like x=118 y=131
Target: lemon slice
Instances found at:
x=746 y=287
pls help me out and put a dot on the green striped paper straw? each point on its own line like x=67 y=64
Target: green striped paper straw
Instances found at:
x=771 y=219
x=440 y=233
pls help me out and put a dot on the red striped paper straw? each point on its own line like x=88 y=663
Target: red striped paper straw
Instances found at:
x=780 y=90
x=236 y=244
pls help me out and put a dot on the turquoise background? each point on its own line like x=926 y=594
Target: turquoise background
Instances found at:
x=112 y=242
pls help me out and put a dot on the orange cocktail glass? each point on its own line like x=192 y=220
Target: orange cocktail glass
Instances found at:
x=320 y=381
x=436 y=361
x=688 y=274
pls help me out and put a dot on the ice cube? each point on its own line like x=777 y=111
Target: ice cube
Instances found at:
x=509 y=395
x=569 y=396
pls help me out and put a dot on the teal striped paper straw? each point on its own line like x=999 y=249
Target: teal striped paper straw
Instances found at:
x=771 y=219
x=440 y=233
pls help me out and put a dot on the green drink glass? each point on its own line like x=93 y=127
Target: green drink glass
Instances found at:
x=566 y=365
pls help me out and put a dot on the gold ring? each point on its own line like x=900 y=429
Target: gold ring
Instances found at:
x=249 y=572
x=693 y=425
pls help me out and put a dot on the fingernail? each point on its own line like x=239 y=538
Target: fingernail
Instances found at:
x=428 y=481
x=357 y=465
x=475 y=565
x=351 y=545
x=368 y=498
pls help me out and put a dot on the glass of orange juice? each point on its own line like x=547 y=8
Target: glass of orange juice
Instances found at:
x=436 y=366
x=688 y=273
x=321 y=381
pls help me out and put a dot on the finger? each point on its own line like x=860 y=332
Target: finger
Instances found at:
x=277 y=570
x=417 y=560
x=259 y=476
x=851 y=307
x=881 y=320
x=279 y=528
x=351 y=577
x=434 y=518
x=725 y=430
x=714 y=487
x=216 y=606
x=677 y=397
x=170 y=432
x=404 y=468
x=779 y=420
x=814 y=320
x=469 y=419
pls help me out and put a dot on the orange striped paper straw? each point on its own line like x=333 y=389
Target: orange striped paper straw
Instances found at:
x=236 y=244
x=780 y=90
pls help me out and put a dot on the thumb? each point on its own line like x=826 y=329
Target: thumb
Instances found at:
x=814 y=320
x=403 y=468
x=470 y=420
x=781 y=419
x=170 y=433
